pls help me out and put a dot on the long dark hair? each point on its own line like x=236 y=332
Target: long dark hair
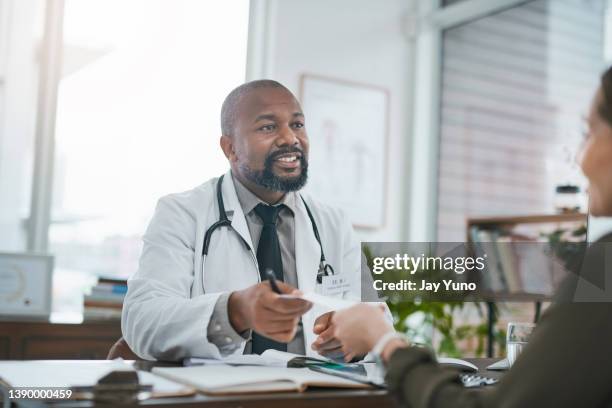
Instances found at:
x=605 y=108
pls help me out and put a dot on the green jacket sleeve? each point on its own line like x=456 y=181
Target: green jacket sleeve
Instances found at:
x=567 y=364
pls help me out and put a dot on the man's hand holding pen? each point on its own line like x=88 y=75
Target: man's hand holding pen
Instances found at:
x=262 y=308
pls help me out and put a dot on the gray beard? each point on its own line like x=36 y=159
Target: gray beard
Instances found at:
x=267 y=179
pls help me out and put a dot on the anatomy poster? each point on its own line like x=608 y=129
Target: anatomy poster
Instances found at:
x=347 y=129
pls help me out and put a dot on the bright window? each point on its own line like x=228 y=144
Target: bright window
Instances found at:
x=21 y=28
x=138 y=118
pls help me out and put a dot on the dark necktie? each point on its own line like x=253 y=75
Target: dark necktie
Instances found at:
x=268 y=257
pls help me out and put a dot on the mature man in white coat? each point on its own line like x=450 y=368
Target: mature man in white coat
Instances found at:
x=207 y=295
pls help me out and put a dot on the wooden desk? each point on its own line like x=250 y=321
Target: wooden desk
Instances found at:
x=319 y=398
x=309 y=399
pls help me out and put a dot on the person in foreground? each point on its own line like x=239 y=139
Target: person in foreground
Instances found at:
x=568 y=361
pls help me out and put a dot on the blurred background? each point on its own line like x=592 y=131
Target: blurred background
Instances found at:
x=105 y=106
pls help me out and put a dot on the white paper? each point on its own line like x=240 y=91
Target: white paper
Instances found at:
x=65 y=374
x=269 y=358
x=457 y=362
x=500 y=365
x=330 y=303
x=243 y=359
x=58 y=373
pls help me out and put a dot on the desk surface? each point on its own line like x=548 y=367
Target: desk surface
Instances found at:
x=319 y=397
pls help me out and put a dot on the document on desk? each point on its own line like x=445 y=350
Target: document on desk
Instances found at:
x=66 y=374
x=227 y=380
x=269 y=358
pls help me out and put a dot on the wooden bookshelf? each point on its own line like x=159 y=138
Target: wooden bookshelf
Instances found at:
x=505 y=223
x=492 y=222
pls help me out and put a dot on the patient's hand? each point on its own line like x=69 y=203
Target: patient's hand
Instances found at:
x=358 y=328
x=326 y=343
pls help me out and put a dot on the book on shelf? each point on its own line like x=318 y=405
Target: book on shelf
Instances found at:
x=101 y=313
x=509 y=263
x=106 y=297
x=534 y=267
x=479 y=251
x=105 y=300
x=515 y=263
x=493 y=276
x=112 y=281
x=102 y=288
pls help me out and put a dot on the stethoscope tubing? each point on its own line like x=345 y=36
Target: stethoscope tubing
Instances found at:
x=325 y=269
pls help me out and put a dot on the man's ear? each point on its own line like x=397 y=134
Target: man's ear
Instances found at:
x=228 y=147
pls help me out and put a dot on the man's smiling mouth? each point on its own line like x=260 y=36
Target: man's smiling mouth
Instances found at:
x=289 y=162
x=288 y=157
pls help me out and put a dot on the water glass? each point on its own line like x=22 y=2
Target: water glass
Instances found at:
x=516 y=339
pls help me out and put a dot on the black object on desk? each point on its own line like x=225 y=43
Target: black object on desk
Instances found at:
x=119 y=387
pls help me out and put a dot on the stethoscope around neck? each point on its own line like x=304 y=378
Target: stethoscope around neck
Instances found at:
x=325 y=269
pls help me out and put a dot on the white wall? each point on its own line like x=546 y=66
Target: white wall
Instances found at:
x=356 y=40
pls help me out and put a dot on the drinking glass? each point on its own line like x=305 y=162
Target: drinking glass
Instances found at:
x=516 y=339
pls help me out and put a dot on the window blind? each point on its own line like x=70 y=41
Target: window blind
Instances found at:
x=515 y=87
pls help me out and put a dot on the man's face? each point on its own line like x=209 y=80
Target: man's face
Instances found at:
x=270 y=145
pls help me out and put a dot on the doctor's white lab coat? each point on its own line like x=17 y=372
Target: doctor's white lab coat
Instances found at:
x=171 y=298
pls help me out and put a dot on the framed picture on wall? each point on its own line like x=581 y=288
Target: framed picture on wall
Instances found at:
x=347 y=125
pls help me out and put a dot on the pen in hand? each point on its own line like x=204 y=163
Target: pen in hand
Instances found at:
x=272 y=279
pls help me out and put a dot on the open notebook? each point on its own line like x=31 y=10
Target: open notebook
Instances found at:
x=225 y=379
